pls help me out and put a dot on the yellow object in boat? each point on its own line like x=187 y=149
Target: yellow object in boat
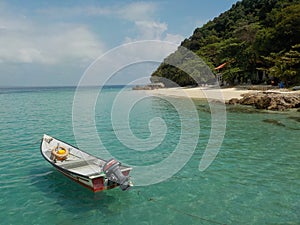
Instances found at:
x=61 y=151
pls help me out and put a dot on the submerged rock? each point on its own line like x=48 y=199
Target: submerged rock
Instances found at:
x=243 y=109
x=297 y=119
x=274 y=122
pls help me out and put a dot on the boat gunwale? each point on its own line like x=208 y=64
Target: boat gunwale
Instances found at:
x=91 y=177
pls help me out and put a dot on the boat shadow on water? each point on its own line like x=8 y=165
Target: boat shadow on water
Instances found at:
x=71 y=196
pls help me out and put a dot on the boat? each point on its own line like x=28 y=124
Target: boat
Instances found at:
x=92 y=172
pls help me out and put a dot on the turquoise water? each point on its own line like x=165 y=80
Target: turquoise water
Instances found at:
x=255 y=178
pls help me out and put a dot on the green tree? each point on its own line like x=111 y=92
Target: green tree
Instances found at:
x=285 y=65
x=253 y=35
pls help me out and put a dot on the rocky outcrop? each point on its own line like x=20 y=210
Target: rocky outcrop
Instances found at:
x=276 y=101
x=151 y=86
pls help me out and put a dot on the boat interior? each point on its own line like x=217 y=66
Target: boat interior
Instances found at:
x=87 y=165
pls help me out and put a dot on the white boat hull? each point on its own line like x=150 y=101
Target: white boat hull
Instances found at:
x=78 y=165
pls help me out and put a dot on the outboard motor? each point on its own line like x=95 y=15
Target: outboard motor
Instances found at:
x=113 y=173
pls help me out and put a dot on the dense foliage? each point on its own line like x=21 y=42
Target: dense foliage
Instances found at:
x=259 y=40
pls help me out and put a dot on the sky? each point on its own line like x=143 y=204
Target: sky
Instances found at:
x=53 y=43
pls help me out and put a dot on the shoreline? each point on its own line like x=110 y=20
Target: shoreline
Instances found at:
x=205 y=92
x=225 y=94
x=269 y=99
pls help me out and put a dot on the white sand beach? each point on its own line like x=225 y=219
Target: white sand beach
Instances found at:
x=213 y=93
x=202 y=92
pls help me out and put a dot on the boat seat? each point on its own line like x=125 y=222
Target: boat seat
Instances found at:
x=86 y=169
x=78 y=163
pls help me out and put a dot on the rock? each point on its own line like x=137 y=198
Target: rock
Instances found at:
x=151 y=86
x=262 y=102
x=243 y=109
x=248 y=99
x=270 y=100
x=233 y=101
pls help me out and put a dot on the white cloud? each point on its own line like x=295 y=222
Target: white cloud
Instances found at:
x=26 y=41
x=48 y=51
x=131 y=12
x=174 y=38
x=141 y=14
x=151 y=30
x=138 y=11
x=200 y=23
x=72 y=43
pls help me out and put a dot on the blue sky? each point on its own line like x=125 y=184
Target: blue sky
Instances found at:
x=51 y=43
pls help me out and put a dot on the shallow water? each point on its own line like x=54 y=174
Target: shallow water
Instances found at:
x=255 y=178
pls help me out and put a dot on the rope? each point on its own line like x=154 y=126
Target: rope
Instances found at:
x=185 y=213
x=37 y=141
x=195 y=216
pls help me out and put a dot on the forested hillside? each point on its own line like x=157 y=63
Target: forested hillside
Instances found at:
x=256 y=41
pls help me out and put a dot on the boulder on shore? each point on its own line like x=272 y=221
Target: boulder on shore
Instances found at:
x=151 y=86
x=269 y=100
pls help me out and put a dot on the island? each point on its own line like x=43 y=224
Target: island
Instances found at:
x=255 y=43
